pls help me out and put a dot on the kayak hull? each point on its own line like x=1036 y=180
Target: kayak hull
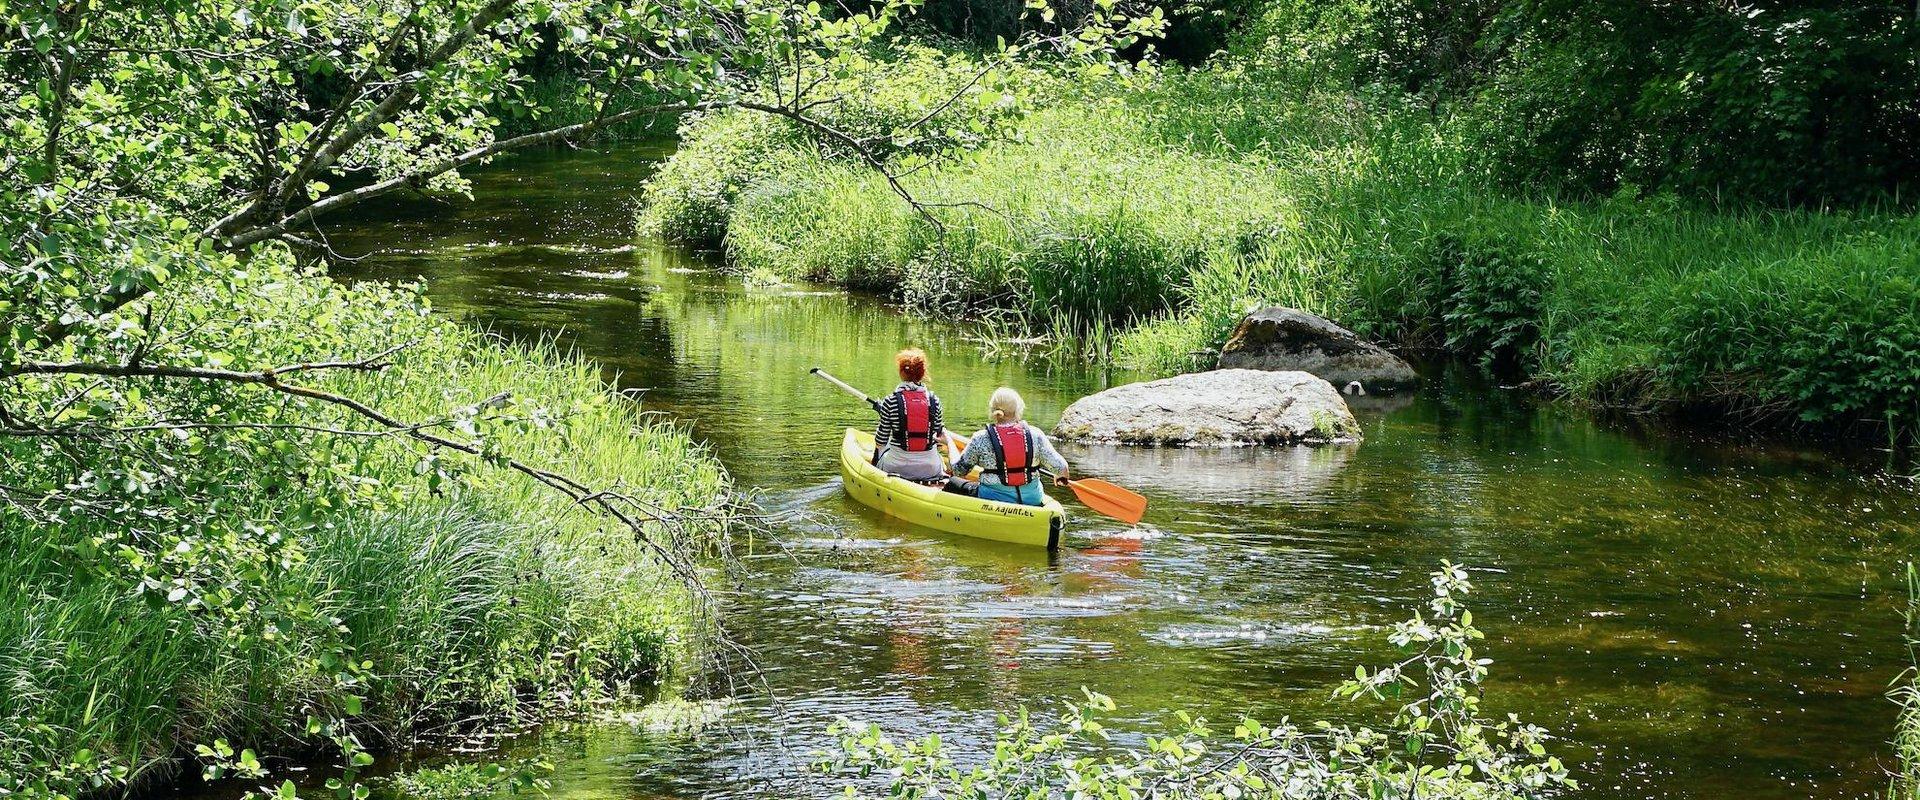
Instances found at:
x=929 y=507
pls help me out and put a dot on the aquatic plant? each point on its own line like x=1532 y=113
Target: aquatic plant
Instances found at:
x=472 y=781
x=1436 y=743
x=1905 y=783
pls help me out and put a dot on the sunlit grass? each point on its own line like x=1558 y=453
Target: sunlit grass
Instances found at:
x=1152 y=216
x=489 y=599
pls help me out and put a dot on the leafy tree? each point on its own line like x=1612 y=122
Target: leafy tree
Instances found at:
x=1784 y=101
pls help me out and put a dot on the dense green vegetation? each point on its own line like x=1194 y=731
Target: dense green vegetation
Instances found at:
x=252 y=578
x=1157 y=208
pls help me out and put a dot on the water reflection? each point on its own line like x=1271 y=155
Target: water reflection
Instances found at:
x=1698 y=621
x=1242 y=475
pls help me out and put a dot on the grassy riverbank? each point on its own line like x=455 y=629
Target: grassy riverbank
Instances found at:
x=1158 y=210
x=266 y=583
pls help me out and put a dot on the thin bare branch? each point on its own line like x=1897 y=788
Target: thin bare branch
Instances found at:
x=629 y=511
x=421 y=176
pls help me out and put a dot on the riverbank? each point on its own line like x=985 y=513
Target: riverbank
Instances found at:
x=1155 y=213
x=270 y=590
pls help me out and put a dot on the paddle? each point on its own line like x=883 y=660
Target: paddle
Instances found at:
x=845 y=387
x=1106 y=498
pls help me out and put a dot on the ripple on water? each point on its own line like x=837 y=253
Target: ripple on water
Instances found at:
x=1246 y=634
x=842 y=543
x=1019 y=607
x=849 y=586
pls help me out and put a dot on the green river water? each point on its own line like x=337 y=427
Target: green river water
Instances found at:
x=1697 y=618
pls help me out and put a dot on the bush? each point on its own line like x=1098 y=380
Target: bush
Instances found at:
x=691 y=199
x=273 y=588
x=1780 y=102
x=1834 y=336
x=1080 y=223
x=877 y=98
x=1436 y=744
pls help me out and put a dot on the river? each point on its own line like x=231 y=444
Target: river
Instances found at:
x=1698 y=617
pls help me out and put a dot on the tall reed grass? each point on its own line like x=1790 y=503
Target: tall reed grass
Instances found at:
x=1905 y=783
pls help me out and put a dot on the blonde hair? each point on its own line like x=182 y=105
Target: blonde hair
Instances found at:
x=1006 y=406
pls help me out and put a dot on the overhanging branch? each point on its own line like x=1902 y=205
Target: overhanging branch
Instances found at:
x=630 y=512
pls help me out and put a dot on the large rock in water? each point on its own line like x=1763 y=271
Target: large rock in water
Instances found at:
x=1280 y=338
x=1218 y=408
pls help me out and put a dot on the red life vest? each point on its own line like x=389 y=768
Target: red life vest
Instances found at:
x=1013 y=448
x=919 y=419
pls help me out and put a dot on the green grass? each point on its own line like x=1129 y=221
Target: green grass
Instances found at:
x=470 y=595
x=1905 y=783
x=1156 y=212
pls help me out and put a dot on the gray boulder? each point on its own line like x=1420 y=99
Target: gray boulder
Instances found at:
x=1281 y=338
x=1220 y=408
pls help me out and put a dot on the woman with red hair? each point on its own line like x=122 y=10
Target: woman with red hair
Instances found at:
x=911 y=431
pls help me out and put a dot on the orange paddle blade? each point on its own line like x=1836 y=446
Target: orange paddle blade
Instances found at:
x=1109 y=499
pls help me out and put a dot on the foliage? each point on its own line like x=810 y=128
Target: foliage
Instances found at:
x=1779 y=102
x=1905 y=784
x=911 y=104
x=1034 y=224
x=1437 y=743
x=472 y=781
x=256 y=584
x=1784 y=102
x=690 y=200
x=1162 y=210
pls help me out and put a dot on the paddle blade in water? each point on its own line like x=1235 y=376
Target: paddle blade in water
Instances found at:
x=1109 y=499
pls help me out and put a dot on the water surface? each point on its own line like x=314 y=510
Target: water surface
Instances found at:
x=1699 y=619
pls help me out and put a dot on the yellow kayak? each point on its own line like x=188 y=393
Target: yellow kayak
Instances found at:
x=928 y=506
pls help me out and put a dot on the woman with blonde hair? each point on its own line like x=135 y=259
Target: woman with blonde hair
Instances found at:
x=910 y=425
x=1009 y=454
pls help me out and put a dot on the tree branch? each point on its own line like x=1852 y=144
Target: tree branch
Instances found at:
x=422 y=175
x=605 y=502
x=310 y=160
x=116 y=297
x=859 y=148
x=402 y=94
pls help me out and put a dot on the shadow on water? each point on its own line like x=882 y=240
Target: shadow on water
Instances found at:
x=1697 y=620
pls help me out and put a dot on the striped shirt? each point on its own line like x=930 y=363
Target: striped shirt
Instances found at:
x=893 y=418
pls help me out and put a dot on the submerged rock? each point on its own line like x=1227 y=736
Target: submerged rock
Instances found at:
x=1219 y=408
x=1281 y=338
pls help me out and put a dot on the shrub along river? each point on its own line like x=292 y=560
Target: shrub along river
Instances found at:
x=1697 y=617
